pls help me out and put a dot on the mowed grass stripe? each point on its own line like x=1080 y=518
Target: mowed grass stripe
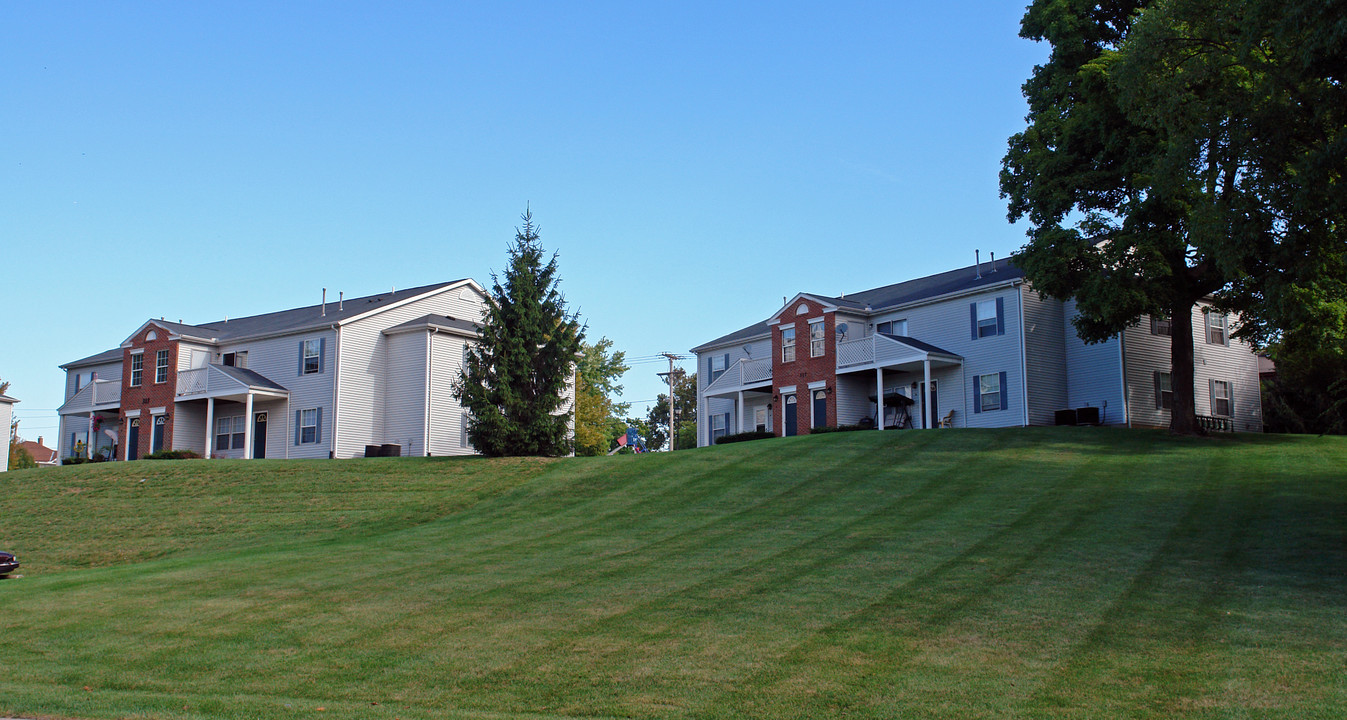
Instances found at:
x=956 y=574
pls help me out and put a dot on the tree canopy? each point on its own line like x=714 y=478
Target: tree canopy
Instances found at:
x=515 y=377
x=1168 y=157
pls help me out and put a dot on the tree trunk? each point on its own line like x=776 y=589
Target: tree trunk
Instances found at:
x=1183 y=413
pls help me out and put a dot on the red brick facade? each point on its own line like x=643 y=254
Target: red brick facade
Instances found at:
x=805 y=369
x=149 y=394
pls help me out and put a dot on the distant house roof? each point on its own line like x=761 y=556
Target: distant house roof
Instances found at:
x=909 y=291
x=40 y=453
x=311 y=317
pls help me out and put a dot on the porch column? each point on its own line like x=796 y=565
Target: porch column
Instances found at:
x=248 y=427
x=89 y=446
x=210 y=426
x=926 y=401
x=740 y=412
x=879 y=398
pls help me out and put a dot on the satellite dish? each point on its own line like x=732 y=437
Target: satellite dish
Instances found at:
x=842 y=329
x=748 y=351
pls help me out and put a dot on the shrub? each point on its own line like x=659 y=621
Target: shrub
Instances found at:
x=839 y=428
x=76 y=460
x=173 y=455
x=745 y=436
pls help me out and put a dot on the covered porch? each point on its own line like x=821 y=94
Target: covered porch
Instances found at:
x=894 y=366
x=92 y=415
x=743 y=389
x=232 y=411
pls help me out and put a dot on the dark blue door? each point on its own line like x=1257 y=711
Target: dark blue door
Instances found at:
x=820 y=409
x=133 y=440
x=157 y=439
x=260 y=436
x=791 y=408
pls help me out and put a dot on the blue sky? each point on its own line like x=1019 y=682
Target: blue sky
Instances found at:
x=692 y=162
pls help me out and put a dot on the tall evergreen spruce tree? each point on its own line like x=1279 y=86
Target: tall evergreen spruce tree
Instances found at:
x=514 y=378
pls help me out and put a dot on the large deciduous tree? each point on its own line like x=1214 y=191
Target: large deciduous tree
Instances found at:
x=514 y=378
x=1182 y=149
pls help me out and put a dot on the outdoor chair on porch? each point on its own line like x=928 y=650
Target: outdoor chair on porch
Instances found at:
x=948 y=420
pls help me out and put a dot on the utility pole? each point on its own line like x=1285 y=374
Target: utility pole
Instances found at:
x=673 y=427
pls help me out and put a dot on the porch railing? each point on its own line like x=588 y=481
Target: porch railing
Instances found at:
x=856 y=352
x=106 y=392
x=194 y=381
x=756 y=370
x=1217 y=424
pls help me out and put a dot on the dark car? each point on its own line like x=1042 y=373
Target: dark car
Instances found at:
x=8 y=563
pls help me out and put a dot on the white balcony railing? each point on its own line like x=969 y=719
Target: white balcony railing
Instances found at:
x=756 y=370
x=194 y=381
x=856 y=352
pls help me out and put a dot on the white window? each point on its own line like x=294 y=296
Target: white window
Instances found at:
x=1216 y=329
x=717 y=426
x=1164 y=391
x=788 y=344
x=161 y=367
x=892 y=327
x=1220 y=398
x=989 y=392
x=987 y=320
x=308 y=426
x=312 y=356
x=1161 y=326
x=229 y=432
x=717 y=366
x=137 y=369
x=816 y=338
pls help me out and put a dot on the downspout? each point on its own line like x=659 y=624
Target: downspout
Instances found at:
x=336 y=384
x=1024 y=368
x=430 y=390
x=1122 y=370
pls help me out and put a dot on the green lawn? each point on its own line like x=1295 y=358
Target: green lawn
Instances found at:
x=1073 y=573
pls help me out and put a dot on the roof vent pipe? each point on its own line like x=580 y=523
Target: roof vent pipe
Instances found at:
x=324 y=302
x=993 y=260
x=977 y=257
x=341 y=300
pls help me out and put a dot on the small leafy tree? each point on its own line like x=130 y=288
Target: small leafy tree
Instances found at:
x=597 y=423
x=514 y=378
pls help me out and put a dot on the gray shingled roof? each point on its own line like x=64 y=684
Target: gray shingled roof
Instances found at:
x=107 y=356
x=902 y=293
x=8 y=399
x=277 y=323
x=250 y=378
x=443 y=322
x=919 y=345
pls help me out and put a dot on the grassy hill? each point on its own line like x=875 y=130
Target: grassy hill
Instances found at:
x=964 y=574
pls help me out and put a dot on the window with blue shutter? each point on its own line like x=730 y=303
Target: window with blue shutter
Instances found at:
x=987 y=318
x=989 y=393
x=311 y=356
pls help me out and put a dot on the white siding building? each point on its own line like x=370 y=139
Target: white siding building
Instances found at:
x=973 y=347
x=339 y=379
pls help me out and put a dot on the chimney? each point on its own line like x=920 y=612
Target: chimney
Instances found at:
x=977 y=257
x=993 y=261
x=39 y=440
x=324 y=302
